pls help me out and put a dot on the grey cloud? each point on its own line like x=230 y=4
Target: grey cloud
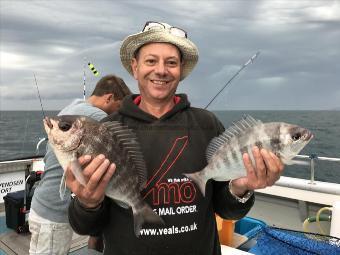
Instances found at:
x=297 y=67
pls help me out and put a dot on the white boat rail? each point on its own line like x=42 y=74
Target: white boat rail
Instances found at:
x=36 y=163
x=312 y=159
x=41 y=140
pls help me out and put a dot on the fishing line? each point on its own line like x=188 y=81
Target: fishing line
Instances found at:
x=36 y=84
x=250 y=61
x=44 y=116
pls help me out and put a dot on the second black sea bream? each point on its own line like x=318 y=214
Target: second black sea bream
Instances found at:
x=73 y=136
x=224 y=153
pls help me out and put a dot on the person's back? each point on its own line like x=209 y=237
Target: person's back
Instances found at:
x=48 y=217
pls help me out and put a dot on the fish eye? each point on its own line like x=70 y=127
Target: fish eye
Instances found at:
x=64 y=126
x=296 y=136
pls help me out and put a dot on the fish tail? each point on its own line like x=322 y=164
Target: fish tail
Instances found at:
x=145 y=214
x=200 y=182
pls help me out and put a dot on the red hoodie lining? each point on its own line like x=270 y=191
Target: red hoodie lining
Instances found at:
x=138 y=99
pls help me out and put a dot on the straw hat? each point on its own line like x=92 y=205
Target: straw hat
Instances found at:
x=134 y=42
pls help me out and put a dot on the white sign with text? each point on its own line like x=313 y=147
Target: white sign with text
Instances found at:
x=11 y=182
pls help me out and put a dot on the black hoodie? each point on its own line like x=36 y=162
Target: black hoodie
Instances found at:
x=172 y=145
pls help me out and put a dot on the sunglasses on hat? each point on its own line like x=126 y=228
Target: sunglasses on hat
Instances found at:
x=154 y=25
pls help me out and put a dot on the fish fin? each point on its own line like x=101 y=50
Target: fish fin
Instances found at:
x=146 y=214
x=62 y=187
x=122 y=204
x=128 y=141
x=234 y=130
x=200 y=182
x=296 y=162
x=77 y=170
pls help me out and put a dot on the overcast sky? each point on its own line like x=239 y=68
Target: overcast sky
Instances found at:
x=299 y=41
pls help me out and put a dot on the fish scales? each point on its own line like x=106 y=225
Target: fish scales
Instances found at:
x=225 y=152
x=74 y=136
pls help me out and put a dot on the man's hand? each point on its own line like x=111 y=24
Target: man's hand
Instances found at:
x=97 y=175
x=267 y=170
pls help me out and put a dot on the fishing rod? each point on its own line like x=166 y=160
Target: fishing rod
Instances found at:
x=44 y=116
x=36 y=84
x=84 y=79
x=250 y=61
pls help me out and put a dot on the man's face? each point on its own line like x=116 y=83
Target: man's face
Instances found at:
x=157 y=70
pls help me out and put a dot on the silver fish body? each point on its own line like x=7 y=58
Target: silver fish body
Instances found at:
x=72 y=136
x=225 y=152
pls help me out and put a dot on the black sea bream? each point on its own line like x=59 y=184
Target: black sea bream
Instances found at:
x=72 y=136
x=224 y=153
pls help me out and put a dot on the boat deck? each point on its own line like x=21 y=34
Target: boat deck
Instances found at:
x=12 y=243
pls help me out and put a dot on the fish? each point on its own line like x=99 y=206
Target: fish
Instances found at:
x=72 y=136
x=225 y=152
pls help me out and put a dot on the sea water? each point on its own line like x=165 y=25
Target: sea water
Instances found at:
x=20 y=132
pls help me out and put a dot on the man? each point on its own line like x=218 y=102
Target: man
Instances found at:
x=173 y=137
x=48 y=218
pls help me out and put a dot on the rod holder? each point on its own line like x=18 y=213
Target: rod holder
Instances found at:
x=312 y=168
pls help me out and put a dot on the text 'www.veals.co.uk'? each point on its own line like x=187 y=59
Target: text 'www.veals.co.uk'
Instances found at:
x=168 y=231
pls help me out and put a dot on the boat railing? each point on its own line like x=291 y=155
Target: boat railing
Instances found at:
x=41 y=140
x=311 y=184
x=313 y=158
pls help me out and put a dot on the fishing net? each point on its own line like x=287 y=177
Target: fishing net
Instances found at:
x=273 y=240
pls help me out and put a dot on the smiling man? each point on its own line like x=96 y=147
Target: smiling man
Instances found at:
x=157 y=68
x=173 y=137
